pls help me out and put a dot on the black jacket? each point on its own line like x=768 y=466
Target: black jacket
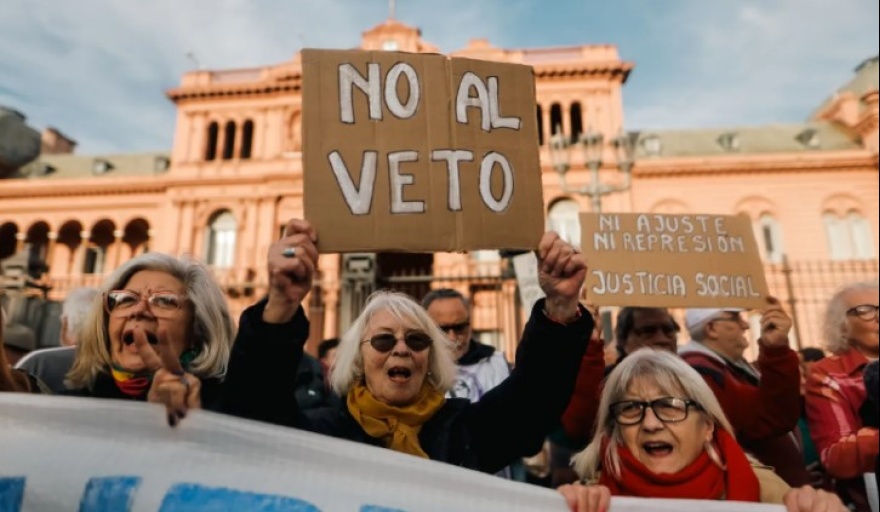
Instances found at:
x=509 y=422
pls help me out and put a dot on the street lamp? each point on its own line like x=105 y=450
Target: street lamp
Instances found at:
x=592 y=145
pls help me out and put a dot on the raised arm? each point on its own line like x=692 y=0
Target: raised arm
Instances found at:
x=513 y=419
x=271 y=334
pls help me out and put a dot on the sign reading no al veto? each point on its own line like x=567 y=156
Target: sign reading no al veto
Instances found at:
x=656 y=260
x=419 y=152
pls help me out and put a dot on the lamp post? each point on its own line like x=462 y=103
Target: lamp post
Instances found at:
x=592 y=145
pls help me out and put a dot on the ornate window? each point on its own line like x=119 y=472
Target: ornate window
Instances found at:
x=221 y=240
x=770 y=238
x=848 y=238
x=563 y=218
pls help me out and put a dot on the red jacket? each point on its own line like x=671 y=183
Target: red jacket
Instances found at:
x=763 y=411
x=580 y=416
x=835 y=394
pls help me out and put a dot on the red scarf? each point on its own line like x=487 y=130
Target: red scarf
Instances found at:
x=701 y=480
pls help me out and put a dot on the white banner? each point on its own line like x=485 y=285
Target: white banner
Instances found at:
x=63 y=454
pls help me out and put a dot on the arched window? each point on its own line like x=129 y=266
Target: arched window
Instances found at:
x=861 y=237
x=211 y=148
x=836 y=237
x=229 y=140
x=540 y=113
x=221 y=240
x=563 y=218
x=555 y=119
x=848 y=238
x=247 y=139
x=770 y=237
x=577 y=126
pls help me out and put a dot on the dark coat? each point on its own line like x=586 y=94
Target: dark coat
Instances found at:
x=105 y=387
x=509 y=422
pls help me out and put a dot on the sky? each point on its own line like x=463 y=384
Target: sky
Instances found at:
x=98 y=69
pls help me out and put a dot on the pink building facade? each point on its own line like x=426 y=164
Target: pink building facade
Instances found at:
x=234 y=177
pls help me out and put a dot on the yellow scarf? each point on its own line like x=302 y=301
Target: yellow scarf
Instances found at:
x=397 y=427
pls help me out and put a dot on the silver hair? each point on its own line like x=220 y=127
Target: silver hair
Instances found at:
x=836 y=325
x=213 y=330
x=668 y=372
x=76 y=307
x=349 y=366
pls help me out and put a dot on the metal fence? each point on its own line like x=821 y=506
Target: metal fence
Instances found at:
x=803 y=287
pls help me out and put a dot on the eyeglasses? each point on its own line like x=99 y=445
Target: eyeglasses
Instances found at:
x=460 y=328
x=161 y=304
x=865 y=311
x=650 y=330
x=416 y=341
x=667 y=409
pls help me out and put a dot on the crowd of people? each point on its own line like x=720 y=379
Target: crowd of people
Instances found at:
x=641 y=416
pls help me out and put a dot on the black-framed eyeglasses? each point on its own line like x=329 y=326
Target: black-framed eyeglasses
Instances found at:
x=415 y=340
x=459 y=328
x=652 y=329
x=121 y=302
x=865 y=311
x=667 y=409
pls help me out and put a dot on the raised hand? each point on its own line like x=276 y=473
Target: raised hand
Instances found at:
x=775 y=324
x=561 y=274
x=291 y=261
x=178 y=390
x=586 y=498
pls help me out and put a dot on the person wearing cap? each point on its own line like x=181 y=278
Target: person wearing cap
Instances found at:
x=762 y=401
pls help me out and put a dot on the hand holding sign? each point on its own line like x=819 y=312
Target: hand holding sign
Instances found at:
x=172 y=386
x=775 y=324
x=586 y=498
x=561 y=273
x=292 y=261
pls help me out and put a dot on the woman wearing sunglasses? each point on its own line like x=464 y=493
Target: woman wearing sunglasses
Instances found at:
x=661 y=433
x=836 y=393
x=394 y=366
x=159 y=330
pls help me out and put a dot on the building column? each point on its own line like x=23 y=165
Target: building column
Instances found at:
x=50 y=249
x=79 y=258
x=548 y=123
x=146 y=246
x=19 y=241
x=116 y=258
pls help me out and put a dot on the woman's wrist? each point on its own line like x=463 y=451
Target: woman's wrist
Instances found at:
x=279 y=310
x=561 y=310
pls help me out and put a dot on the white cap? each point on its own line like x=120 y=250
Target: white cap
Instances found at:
x=696 y=318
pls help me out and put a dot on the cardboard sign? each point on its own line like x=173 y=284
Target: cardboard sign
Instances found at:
x=654 y=260
x=419 y=152
x=93 y=455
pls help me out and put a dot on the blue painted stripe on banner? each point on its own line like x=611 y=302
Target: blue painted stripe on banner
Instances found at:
x=11 y=493
x=197 y=498
x=376 y=508
x=110 y=494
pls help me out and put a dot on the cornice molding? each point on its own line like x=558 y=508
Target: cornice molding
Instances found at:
x=291 y=83
x=701 y=166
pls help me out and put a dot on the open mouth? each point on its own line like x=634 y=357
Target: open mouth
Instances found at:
x=128 y=338
x=399 y=374
x=657 y=448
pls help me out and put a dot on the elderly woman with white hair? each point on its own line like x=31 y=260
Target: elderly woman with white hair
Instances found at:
x=394 y=366
x=661 y=433
x=836 y=394
x=160 y=331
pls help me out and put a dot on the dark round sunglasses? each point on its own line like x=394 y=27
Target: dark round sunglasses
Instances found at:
x=416 y=341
